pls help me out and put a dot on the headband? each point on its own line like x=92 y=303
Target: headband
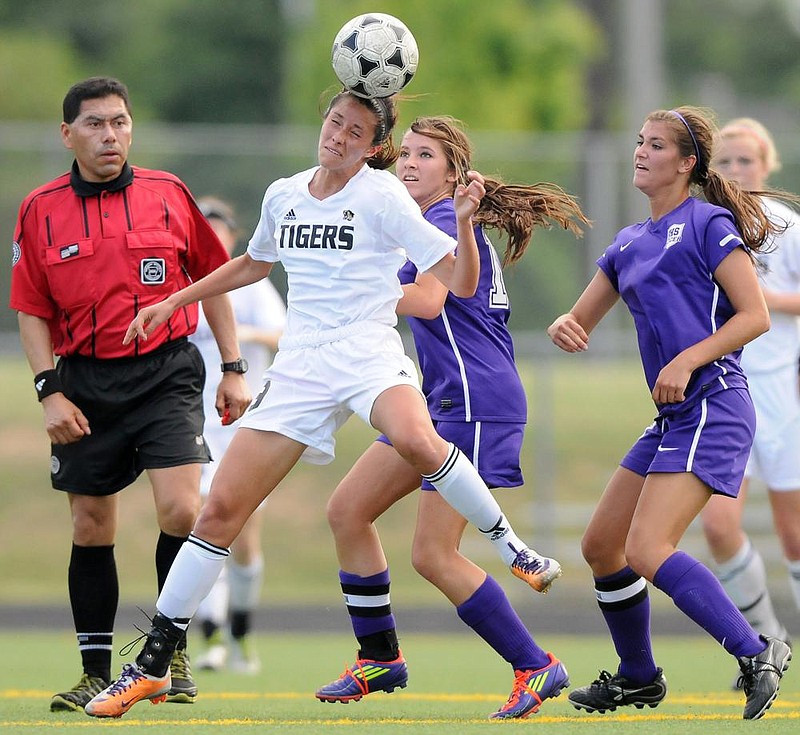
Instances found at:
x=694 y=140
x=382 y=112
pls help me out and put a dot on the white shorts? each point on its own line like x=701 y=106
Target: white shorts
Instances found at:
x=775 y=457
x=314 y=385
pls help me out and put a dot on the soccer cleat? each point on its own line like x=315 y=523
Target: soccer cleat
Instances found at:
x=531 y=688
x=243 y=660
x=538 y=571
x=132 y=686
x=609 y=692
x=365 y=677
x=183 y=689
x=738 y=680
x=215 y=655
x=761 y=676
x=77 y=697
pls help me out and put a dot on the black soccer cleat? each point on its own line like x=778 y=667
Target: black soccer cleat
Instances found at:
x=608 y=692
x=761 y=676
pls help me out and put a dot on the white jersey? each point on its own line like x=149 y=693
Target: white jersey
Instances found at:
x=780 y=346
x=341 y=254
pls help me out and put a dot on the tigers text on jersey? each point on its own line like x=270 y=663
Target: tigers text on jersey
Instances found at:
x=664 y=272
x=341 y=254
x=466 y=355
x=780 y=346
x=88 y=257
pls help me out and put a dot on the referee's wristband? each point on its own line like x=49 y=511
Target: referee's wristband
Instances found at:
x=46 y=383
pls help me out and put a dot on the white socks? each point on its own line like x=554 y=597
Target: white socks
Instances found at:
x=245 y=584
x=459 y=483
x=214 y=606
x=744 y=579
x=190 y=579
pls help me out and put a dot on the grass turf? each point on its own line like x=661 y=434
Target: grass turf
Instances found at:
x=455 y=681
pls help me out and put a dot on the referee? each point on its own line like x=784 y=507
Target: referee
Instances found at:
x=92 y=248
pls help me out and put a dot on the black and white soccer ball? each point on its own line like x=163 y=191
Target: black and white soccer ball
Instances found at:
x=374 y=55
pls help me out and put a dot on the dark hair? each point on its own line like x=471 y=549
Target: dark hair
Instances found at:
x=695 y=133
x=214 y=208
x=515 y=209
x=92 y=89
x=385 y=111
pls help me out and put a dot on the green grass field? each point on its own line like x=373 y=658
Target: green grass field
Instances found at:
x=455 y=682
x=584 y=415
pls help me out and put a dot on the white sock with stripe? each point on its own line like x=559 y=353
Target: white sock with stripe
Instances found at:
x=459 y=483
x=190 y=579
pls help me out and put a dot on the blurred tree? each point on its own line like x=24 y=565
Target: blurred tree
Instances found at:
x=184 y=60
x=515 y=65
x=754 y=47
x=57 y=65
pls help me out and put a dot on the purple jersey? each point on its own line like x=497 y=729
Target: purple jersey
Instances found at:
x=664 y=272
x=466 y=354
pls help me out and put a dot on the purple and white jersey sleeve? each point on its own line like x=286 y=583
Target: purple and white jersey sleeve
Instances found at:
x=664 y=272
x=466 y=355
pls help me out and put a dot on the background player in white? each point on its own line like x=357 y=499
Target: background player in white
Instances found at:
x=747 y=155
x=342 y=230
x=687 y=277
x=477 y=401
x=225 y=615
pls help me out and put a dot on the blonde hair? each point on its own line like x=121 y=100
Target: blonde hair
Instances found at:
x=766 y=145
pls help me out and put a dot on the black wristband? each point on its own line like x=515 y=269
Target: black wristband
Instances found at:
x=46 y=383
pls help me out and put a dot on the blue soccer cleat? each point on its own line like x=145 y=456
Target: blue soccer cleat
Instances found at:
x=531 y=688
x=365 y=677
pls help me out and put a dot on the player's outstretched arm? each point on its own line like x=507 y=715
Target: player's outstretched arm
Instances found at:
x=571 y=331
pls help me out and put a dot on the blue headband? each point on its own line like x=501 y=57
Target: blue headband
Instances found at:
x=694 y=140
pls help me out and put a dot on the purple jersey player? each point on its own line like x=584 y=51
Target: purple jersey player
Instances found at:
x=687 y=278
x=476 y=400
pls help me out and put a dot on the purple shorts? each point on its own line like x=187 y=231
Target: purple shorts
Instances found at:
x=711 y=439
x=493 y=447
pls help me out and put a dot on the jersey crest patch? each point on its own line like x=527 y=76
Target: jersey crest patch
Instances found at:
x=16 y=253
x=674 y=235
x=348 y=215
x=152 y=271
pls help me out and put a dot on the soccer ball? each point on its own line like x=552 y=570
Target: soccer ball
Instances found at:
x=374 y=55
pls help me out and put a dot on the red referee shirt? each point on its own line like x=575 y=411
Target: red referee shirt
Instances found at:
x=87 y=257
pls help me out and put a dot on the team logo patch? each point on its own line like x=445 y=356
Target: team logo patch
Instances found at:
x=152 y=271
x=16 y=253
x=348 y=215
x=55 y=465
x=674 y=235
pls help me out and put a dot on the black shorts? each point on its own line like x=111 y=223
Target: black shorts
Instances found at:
x=144 y=413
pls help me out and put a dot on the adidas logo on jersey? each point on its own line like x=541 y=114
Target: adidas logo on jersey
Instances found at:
x=290 y=215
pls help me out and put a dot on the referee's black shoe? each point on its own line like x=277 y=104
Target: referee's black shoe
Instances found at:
x=608 y=692
x=761 y=676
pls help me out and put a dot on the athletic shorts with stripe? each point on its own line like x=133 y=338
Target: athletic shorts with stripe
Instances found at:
x=711 y=439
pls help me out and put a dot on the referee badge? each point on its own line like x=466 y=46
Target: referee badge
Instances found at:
x=152 y=271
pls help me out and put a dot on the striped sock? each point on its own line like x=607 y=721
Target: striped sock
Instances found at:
x=370 y=609
x=190 y=579
x=625 y=604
